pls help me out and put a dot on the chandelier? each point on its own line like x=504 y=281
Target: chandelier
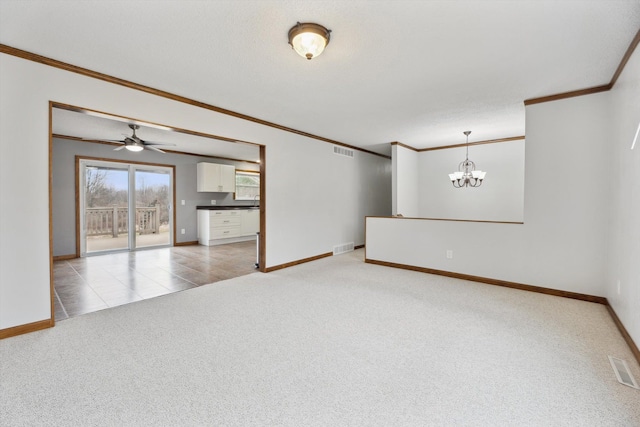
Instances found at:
x=467 y=175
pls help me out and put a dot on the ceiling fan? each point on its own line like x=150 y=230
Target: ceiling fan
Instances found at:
x=134 y=143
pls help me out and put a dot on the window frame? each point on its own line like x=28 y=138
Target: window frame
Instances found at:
x=240 y=172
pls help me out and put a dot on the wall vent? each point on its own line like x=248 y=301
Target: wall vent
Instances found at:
x=340 y=249
x=621 y=369
x=341 y=151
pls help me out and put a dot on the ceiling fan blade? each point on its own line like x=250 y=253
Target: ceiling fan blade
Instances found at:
x=151 y=147
x=119 y=148
x=102 y=140
x=158 y=143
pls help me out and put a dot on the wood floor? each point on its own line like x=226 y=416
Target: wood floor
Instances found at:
x=85 y=285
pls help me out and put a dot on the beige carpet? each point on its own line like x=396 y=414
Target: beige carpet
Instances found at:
x=335 y=342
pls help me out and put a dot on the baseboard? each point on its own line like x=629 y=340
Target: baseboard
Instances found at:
x=358 y=247
x=300 y=261
x=555 y=292
x=632 y=345
x=64 y=257
x=489 y=281
x=25 y=329
x=195 y=242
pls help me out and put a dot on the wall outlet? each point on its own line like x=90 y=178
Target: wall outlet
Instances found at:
x=182 y=231
x=213 y=202
x=182 y=202
x=618 y=287
x=449 y=254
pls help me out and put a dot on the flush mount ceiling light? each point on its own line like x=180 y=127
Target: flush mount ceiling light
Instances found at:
x=309 y=39
x=467 y=175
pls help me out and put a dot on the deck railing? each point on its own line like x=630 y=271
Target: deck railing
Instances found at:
x=104 y=221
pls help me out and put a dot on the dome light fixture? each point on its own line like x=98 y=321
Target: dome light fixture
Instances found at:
x=309 y=39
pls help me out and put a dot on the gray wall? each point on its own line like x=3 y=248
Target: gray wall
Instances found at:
x=64 y=179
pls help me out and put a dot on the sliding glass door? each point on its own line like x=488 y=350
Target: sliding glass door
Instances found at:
x=124 y=206
x=153 y=207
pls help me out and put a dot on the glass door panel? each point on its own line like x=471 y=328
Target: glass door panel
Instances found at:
x=153 y=215
x=105 y=225
x=124 y=206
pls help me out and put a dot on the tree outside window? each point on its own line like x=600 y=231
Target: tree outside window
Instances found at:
x=247 y=185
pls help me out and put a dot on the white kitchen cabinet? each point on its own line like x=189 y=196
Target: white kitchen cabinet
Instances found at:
x=217 y=227
x=213 y=177
x=250 y=221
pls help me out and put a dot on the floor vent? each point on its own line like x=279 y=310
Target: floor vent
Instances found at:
x=341 y=151
x=340 y=249
x=621 y=369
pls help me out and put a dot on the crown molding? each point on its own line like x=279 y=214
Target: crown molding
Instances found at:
x=595 y=89
x=444 y=147
x=136 y=86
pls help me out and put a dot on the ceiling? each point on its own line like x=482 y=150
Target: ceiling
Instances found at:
x=417 y=72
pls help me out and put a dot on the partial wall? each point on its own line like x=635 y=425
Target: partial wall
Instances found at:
x=561 y=244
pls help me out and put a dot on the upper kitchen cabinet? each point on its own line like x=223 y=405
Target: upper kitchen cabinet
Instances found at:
x=213 y=177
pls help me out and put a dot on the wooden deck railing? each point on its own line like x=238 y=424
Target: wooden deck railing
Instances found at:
x=114 y=220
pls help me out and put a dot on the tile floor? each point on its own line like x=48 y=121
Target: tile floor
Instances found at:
x=84 y=285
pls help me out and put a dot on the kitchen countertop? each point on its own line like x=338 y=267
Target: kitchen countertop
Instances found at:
x=225 y=208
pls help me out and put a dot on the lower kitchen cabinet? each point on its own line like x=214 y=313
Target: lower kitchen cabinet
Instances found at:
x=217 y=227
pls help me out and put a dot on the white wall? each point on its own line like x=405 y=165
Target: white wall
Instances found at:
x=405 y=181
x=624 y=238
x=338 y=191
x=499 y=198
x=561 y=243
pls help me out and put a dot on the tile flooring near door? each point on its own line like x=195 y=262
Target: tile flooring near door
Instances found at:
x=84 y=285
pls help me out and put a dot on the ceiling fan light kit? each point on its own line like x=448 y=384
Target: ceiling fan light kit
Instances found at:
x=135 y=144
x=467 y=175
x=309 y=39
x=134 y=147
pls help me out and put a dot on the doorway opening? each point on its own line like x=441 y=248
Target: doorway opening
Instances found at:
x=86 y=274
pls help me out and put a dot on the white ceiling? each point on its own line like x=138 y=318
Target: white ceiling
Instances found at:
x=418 y=72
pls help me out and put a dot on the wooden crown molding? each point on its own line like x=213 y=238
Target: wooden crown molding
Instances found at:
x=625 y=58
x=19 y=53
x=443 y=147
x=570 y=94
x=596 y=89
x=400 y=144
x=488 y=141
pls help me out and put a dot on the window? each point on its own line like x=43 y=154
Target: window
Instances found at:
x=247 y=185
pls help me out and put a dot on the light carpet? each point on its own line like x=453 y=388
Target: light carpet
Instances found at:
x=334 y=342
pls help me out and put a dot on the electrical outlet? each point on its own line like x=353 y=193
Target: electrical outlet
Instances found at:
x=182 y=202
x=449 y=254
x=213 y=202
x=618 y=287
x=182 y=231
